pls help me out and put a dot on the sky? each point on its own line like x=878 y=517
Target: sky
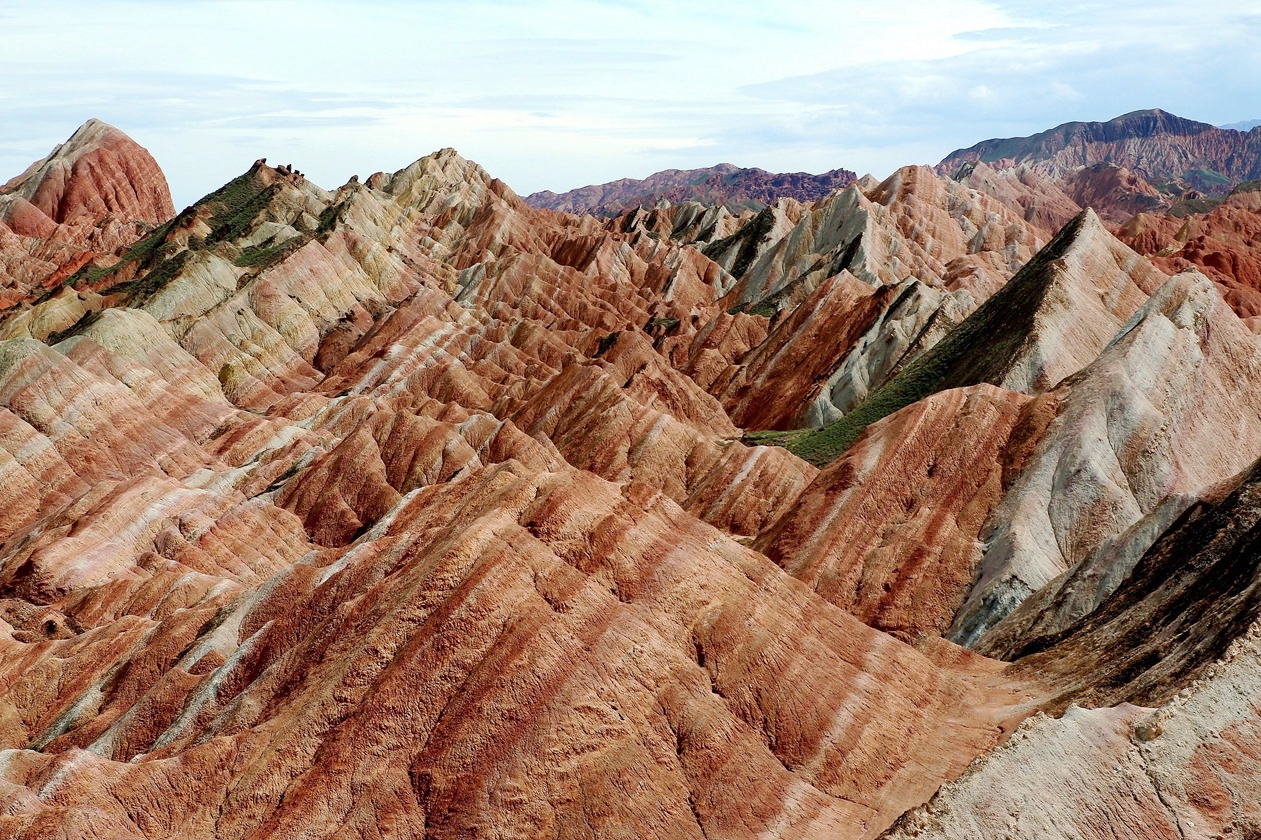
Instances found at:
x=555 y=94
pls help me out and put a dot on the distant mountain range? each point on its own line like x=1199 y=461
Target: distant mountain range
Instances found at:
x=724 y=184
x=1143 y=160
x=1171 y=153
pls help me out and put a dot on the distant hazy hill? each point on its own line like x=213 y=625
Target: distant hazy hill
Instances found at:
x=1170 y=152
x=1242 y=126
x=721 y=184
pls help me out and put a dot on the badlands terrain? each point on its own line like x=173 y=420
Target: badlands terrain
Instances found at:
x=818 y=507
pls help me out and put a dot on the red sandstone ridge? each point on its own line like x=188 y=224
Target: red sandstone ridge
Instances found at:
x=1224 y=243
x=1114 y=192
x=407 y=509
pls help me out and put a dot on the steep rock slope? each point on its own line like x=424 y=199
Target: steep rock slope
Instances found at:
x=889 y=532
x=1051 y=320
x=332 y=700
x=1171 y=406
x=931 y=247
x=1185 y=769
x=1224 y=243
x=1114 y=192
x=1184 y=763
x=1038 y=198
x=1201 y=574
x=99 y=171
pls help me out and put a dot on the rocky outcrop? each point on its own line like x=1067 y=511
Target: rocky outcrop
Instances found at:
x=1185 y=769
x=932 y=248
x=938 y=465
x=722 y=185
x=1039 y=199
x=97 y=173
x=1179 y=639
x=1051 y=320
x=1114 y=192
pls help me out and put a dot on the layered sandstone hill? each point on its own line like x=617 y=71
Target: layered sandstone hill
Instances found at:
x=93 y=195
x=723 y=185
x=98 y=172
x=410 y=510
x=378 y=511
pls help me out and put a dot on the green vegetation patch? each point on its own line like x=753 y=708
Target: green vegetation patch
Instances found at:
x=146 y=285
x=147 y=247
x=269 y=253
x=1194 y=206
x=236 y=205
x=87 y=320
x=606 y=344
x=143 y=251
x=1207 y=177
x=787 y=439
x=329 y=218
x=980 y=349
x=767 y=307
x=664 y=325
x=748 y=238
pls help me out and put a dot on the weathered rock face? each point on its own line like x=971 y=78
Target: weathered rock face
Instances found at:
x=1047 y=323
x=1040 y=200
x=723 y=185
x=1114 y=192
x=932 y=249
x=937 y=464
x=546 y=580
x=410 y=510
x=1201 y=573
x=395 y=510
x=1184 y=768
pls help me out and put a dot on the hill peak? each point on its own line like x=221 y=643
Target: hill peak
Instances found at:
x=99 y=171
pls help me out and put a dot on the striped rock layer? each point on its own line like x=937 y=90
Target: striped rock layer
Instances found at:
x=409 y=510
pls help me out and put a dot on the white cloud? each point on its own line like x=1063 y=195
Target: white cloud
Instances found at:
x=558 y=93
